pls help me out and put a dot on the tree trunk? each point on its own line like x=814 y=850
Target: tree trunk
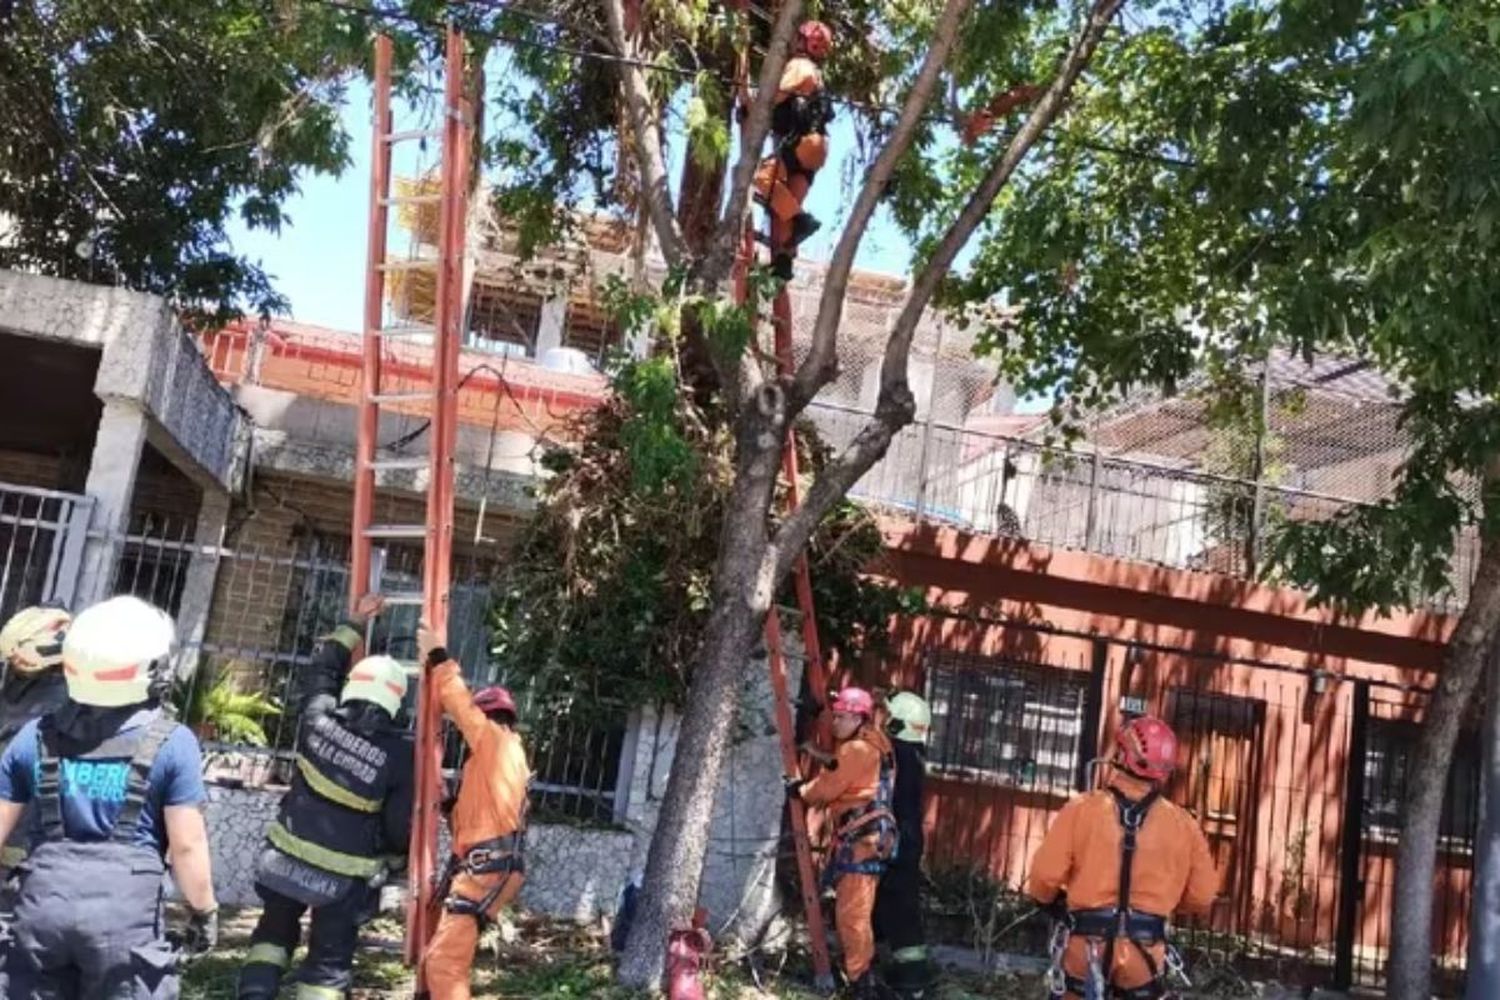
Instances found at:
x=742 y=595
x=1409 y=975
x=1484 y=915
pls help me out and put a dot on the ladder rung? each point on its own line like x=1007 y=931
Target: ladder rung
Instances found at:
x=386 y=398
x=420 y=133
x=404 y=599
x=406 y=331
x=404 y=463
x=416 y=264
x=413 y=199
x=396 y=531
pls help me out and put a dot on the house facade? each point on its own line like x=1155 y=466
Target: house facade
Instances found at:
x=210 y=472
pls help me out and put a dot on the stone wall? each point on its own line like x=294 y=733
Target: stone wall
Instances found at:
x=578 y=873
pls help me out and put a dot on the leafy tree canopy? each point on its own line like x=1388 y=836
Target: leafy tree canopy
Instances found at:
x=131 y=132
x=605 y=597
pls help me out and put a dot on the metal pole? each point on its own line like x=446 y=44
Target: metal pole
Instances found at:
x=1484 y=916
x=1351 y=839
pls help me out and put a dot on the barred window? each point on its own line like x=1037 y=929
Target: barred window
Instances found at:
x=1387 y=756
x=1004 y=722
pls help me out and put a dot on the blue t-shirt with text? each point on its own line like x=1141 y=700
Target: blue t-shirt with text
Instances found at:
x=93 y=791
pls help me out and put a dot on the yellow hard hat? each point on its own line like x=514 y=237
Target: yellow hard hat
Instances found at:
x=379 y=680
x=113 y=649
x=32 y=641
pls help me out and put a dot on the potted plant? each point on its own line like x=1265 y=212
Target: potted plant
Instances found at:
x=213 y=706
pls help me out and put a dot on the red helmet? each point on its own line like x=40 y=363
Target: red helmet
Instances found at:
x=494 y=699
x=1147 y=748
x=817 y=39
x=855 y=701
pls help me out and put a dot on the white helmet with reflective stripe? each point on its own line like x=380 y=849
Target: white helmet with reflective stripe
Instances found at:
x=379 y=680
x=32 y=640
x=111 y=652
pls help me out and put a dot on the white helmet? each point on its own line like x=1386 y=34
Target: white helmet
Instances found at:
x=377 y=679
x=32 y=640
x=911 y=719
x=112 y=650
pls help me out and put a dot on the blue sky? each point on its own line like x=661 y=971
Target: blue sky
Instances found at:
x=318 y=258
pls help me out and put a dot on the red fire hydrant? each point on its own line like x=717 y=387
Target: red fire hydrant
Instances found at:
x=685 y=951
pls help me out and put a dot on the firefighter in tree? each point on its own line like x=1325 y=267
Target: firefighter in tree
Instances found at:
x=1115 y=865
x=799 y=127
x=856 y=787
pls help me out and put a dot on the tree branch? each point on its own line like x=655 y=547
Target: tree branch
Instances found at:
x=822 y=357
x=895 y=406
x=646 y=129
x=752 y=139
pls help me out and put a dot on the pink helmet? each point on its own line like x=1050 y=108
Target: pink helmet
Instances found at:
x=817 y=39
x=1147 y=748
x=494 y=699
x=855 y=701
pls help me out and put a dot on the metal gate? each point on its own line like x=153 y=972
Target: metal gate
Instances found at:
x=42 y=534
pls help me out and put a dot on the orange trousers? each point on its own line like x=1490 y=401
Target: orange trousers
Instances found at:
x=449 y=963
x=1128 y=970
x=784 y=190
x=853 y=910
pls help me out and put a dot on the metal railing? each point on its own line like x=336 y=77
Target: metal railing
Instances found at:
x=259 y=621
x=41 y=545
x=1006 y=486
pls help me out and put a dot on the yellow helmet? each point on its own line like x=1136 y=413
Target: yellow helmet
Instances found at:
x=911 y=718
x=377 y=679
x=32 y=641
x=113 y=649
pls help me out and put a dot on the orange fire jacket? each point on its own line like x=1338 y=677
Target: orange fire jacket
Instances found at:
x=492 y=796
x=853 y=781
x=1173 y=869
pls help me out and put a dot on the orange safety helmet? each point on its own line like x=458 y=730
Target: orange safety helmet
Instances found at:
x=1147 y=748
x=855 y=701
x=817 y=39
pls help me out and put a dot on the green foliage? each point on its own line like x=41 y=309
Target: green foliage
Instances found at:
x=604 y=599
x=132 y=131
x=212 y=699
x=1253 y=175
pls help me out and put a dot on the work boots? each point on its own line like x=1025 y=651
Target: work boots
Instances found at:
x=866 y=987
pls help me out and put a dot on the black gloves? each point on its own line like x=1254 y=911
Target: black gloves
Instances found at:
x=793 y=786
x=1058 y=908
x=202 y=933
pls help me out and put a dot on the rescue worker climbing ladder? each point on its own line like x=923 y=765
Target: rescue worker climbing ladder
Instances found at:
x=1115 y=865
x=856 y=787
x=799 y=128
x=344 y=823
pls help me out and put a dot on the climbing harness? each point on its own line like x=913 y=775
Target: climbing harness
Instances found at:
x=498 y=856
x=876 y=818
x=1111 y=924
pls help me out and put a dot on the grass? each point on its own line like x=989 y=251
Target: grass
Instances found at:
x=536 y=959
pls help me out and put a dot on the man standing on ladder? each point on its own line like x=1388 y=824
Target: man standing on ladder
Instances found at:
x=898 y=905
x=344 y=823
x=1121 y=860
x=799 y=127
x=856 y=786
x=488 y=822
